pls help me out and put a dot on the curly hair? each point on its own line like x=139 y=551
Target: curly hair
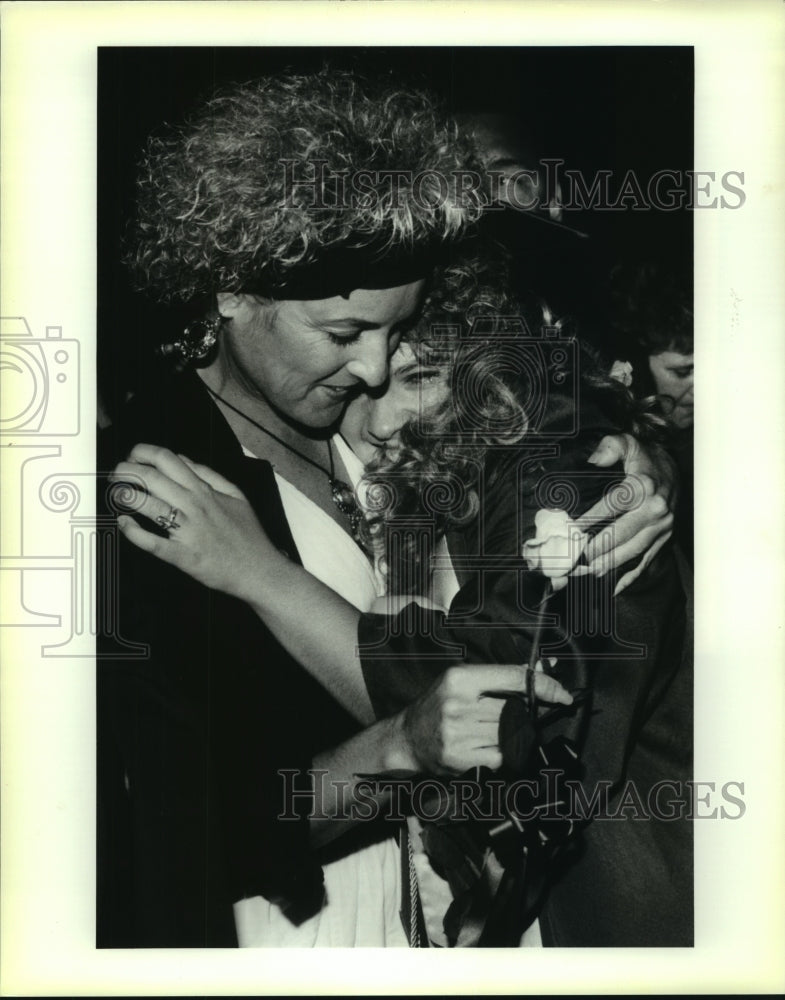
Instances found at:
x=428 y=483
x=435 y=466
x=652 y=307
x=219 y=203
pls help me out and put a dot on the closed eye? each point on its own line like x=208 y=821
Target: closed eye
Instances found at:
x=424 y=376
x=344 y=339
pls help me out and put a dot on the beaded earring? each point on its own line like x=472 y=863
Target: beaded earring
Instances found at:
x=197 y=342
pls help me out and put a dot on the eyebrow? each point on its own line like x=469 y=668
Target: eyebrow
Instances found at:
x=349 y=321
x=411 y=366
x=365 y=323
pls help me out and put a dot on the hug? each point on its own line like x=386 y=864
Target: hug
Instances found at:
x=378 y=520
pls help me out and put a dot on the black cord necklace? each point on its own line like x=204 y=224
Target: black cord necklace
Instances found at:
x=342 y=494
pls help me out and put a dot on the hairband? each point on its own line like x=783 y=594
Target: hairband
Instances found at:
x=340 y=270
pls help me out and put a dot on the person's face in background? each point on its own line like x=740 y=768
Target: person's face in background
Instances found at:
x=372 y=421
x=505 y=150
x=674 y=378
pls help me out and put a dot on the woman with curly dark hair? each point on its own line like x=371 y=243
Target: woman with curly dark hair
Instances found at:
x=653 y=322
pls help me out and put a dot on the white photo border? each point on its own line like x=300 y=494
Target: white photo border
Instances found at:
x=48 y=277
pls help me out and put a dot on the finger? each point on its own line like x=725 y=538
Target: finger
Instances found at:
x=652 y=514
x=626 y=497
x=633 y=575
x=155 y=483
x=166 y=462
x=213 y=479
x=497 y=680
x=489 y=711
x=489 y=757
x=612 y=448
x=152 y=508
x=654 y=462
x=144 y=540
x=638 y=545
x=549 y=689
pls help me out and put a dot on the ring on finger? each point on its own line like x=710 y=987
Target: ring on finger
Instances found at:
x=169 y=521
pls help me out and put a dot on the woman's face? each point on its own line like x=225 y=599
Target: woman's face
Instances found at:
x=372 y=421
x=305 y=359
x=674 y=376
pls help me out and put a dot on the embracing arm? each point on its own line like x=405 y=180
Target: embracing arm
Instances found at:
x=450 y=727
x=220 y=543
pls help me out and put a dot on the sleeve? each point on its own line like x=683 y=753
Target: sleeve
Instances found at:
x=499 y=611
x=197 y=760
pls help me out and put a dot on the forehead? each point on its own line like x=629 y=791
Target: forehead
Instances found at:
x=403 y=357
x=374 y=307
x=673 y=359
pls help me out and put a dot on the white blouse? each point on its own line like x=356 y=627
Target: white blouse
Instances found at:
x=362 y=889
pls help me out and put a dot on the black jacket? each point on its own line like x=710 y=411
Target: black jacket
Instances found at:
x=192 y=737
x=632 y=884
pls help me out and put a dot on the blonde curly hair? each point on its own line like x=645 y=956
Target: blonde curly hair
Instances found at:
x=217 y=209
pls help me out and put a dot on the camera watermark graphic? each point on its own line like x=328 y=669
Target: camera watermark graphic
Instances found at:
x=40 y=381
x=50 y=534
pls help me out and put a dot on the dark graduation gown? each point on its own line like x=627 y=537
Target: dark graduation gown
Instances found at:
x=630 y=881
x=193 y=736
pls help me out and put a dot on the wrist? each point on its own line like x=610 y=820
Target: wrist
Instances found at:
x=398 y=753
x=261 y=573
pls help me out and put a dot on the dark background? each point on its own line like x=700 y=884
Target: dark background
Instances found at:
x=618 y=109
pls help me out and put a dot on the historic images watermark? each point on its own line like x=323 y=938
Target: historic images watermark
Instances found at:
x=552 y=187
x=495 y=800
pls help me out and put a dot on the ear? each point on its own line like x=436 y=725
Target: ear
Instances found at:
x=239 y=305
x=229 y=303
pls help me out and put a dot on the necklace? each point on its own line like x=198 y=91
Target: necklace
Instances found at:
x=342 y=494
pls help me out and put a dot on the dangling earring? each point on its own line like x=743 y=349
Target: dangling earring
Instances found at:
x=198 y=340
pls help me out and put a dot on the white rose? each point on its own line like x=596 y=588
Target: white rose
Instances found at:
x=556 y=547
x=622 y=372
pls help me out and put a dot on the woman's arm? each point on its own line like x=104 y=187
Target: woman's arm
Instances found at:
x=220 y=542
x=450 y=728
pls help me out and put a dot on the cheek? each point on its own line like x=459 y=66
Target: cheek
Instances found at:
x=299 y=356
x=433 y=397
x=354 y=420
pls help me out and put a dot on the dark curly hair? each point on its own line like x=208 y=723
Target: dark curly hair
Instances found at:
x=215 y=210
x=652 y=307
x=652 y=313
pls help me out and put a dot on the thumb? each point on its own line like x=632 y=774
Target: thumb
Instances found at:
x=610 y=450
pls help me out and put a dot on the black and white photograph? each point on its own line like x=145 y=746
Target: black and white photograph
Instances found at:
x=369 y=512
x=451 y=334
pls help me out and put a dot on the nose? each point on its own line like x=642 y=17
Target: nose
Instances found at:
x=385 y=416
x=371 y=361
